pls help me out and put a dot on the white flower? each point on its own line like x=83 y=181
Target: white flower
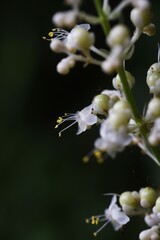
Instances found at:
x=62 y=34
x=113 y=215
x=85 y=118
x=112 y=141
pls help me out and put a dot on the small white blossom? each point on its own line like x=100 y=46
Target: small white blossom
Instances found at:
x=85 y=118
x=112 y=141
x=113 y=215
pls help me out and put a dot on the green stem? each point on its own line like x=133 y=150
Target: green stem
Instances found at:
x=128 y=94
x=102 y=16
x=138 y=119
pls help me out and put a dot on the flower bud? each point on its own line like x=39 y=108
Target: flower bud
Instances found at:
x=153 y=78
x=152 y=219
x=156 y=208
x=118 y=119
x=65 y=19
x=150 y=234
x=118 y=35
x=117 y=84
x=153 y=110
x=129 y=199
x=141 y=17
x=80 y=39
x=147 y=197
x=64 y=66
x=100 y=104
x=57 y=46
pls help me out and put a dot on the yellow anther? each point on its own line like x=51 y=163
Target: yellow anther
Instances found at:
x=95 y=234
x=100 y=160
x=59 y=134
x=87 y=220
x=59 y=120
x=93 y=220
x=97 y=154
x=56 y=126
x=50 y=34
x=85 y=159
x=96 y=221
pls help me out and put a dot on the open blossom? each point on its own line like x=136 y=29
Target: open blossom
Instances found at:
x=85 y=118
x=112 y=141
x=113 y=214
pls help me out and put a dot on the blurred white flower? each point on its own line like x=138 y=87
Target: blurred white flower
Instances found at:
x=113 y=215
x=85 y=118
x=112 y=141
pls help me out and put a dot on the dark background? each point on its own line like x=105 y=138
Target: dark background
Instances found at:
x=46 y=191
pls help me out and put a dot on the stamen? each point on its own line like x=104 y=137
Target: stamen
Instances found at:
x=105 y=224
x=66 y=128
x=97 y=154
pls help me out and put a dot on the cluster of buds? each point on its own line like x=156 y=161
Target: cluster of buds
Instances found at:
x=110 y=109
x=144 y=203
x=114 y=111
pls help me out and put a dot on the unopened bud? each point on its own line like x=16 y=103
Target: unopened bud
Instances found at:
x=101 y=104
x=147 y=197
x=153 y=110
x=141 y=17
x=118 y=84
x=119 y=35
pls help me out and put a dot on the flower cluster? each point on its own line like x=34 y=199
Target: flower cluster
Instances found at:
x=144 y=203
x=114 y=111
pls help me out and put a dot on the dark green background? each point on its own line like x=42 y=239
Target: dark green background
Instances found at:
x=46 y=192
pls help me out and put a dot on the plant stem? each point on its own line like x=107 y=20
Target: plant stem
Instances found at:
x=138 y=119
x=128 y=94
x=102 y=17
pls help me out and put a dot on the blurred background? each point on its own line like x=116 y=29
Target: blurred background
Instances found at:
x=46 y=191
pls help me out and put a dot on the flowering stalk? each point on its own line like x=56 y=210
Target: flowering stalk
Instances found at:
x=129 y=97
x=136 y=115
x=102 y=16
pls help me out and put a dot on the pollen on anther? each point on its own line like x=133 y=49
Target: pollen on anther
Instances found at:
x=87 y=220
x=95 y=234
x=50 y=34
x=59 y=120
x=85 y=159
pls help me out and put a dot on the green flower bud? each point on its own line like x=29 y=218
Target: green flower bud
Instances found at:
x=129 y=199
x=101 y=104
x=141 y=17
x=147 y=197
x=157 y=205
x=117 y=81
x=118 y=119
x=119 y=35
x=80 y=39
x=153 y=110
